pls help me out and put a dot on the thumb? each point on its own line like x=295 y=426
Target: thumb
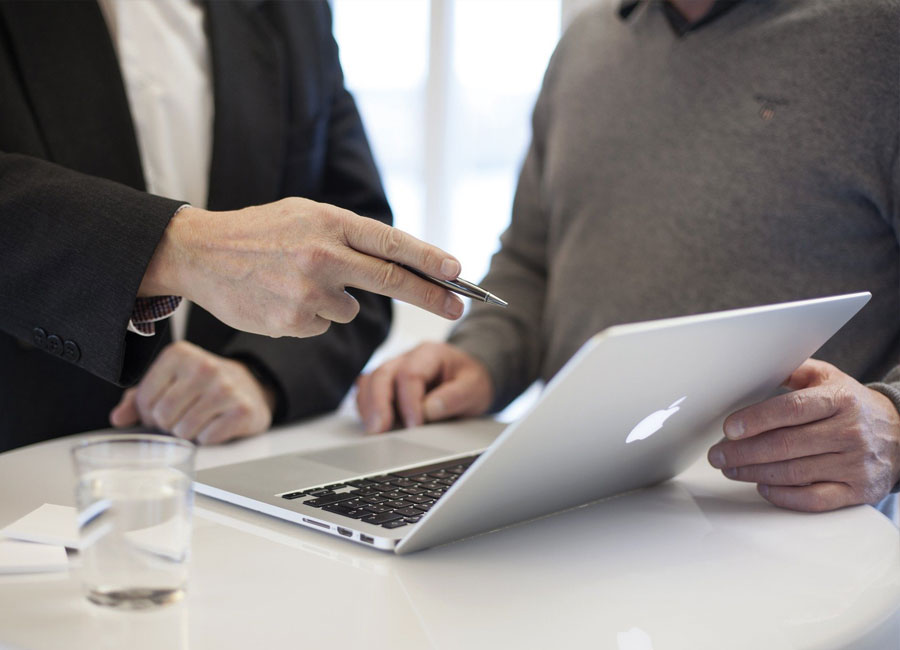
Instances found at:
x=810 y=373
x=460 y=396
x=125 y=413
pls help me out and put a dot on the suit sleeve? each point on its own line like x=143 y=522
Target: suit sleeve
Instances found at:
x=509 y=341
x=313 y=375
x=74 y=250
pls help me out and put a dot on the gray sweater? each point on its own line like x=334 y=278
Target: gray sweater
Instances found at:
x=753 y=160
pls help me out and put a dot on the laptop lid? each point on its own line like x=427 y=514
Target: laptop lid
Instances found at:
x=636 y=405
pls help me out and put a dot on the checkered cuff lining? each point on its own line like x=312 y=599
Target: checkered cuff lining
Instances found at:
x=149 y=310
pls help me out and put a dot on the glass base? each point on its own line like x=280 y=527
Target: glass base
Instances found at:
x=137 y=598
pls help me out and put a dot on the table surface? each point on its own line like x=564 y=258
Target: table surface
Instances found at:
x=698 y=562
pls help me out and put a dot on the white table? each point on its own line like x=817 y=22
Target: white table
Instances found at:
x=699 y=562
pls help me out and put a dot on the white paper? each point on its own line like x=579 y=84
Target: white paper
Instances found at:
x=28 y=557
x=49 y=524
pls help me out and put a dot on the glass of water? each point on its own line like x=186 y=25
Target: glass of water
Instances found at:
x=134 y=498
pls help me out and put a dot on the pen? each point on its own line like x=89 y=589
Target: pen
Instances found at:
x=460 y=286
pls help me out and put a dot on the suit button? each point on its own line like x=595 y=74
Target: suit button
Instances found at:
x=39 y=338
x=54 y=344
x=71 y=351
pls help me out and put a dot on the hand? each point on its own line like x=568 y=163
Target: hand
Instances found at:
x=281 y=269
x=830 y=443
x=197 y=395
x=434 y=381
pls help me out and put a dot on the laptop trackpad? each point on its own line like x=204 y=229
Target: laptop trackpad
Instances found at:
x=380 y=454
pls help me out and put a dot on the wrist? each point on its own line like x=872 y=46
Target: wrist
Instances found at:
x=168 y=270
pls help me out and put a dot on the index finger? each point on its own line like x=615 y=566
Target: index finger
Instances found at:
x=787 y=410
x=389 y=279
x=374 y=238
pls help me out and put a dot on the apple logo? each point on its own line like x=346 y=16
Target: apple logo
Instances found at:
x=653 y=422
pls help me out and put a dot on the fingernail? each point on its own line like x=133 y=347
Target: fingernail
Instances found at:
x=717 y=458
x=730 y=472
x=450 y=268
x=434 y=408
x=763 y=489
x=734 y=429
x=453 y=307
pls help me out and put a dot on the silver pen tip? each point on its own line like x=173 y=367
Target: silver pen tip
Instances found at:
x=494 y=300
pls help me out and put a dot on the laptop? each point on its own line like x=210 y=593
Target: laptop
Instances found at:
x=633 y=407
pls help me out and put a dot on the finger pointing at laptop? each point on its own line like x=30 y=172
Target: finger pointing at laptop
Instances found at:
x=827 y=444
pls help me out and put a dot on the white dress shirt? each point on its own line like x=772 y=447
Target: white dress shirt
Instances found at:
x=165 y=62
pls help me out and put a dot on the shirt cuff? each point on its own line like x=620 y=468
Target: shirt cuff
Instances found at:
x=149 y=310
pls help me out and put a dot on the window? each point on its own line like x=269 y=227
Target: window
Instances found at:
x=446 y=89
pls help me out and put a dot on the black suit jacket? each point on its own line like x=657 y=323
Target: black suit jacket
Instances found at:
x=77 y=231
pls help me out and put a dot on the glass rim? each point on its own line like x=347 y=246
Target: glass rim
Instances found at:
x=158 y=439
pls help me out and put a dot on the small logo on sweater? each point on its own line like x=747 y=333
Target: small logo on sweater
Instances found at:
x=769 y=104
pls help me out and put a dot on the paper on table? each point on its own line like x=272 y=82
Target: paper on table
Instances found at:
x=28 y=557
x=49 y=524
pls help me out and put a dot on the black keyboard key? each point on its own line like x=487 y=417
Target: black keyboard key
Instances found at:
x=447 y=464
x=383 y=488
x=377 y=509
x=447 y=481
x=411 y=490
x=393 y=495
x=396 y=523
x=434 y=494
x=413 y=520
x=318 y=492
x=424 y=507
x=292 y=495
x=384 y=478
x=419 y=499
x=327 y=500
x=374 y=499
x=382 y=518
x=339 y=508
x=359 y=482
x=403 y=482
x=397 y=503
x=408 y=512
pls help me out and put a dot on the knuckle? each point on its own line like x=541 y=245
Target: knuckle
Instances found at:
x=391 y=242
x=796 y=405
x=845 y=399
x=390 y=277
x=433 y=295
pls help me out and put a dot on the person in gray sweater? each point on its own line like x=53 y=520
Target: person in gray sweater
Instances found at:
x=692 y=156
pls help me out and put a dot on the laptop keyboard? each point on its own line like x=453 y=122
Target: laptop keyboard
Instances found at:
x=389 y=500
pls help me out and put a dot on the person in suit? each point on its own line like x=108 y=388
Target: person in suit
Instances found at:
x=691 y=156
x=157 y=150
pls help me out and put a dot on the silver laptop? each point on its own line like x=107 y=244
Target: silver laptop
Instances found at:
x=633 y=407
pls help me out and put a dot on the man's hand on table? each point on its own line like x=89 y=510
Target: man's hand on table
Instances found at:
x=830 y=442
x=433 y=381
x=197 y=395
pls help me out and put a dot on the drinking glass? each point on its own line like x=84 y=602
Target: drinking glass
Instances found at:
x=134 y=498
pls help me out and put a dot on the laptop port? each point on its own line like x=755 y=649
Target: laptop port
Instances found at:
x=344 y=532
x=366 y=539
x=316 y=523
